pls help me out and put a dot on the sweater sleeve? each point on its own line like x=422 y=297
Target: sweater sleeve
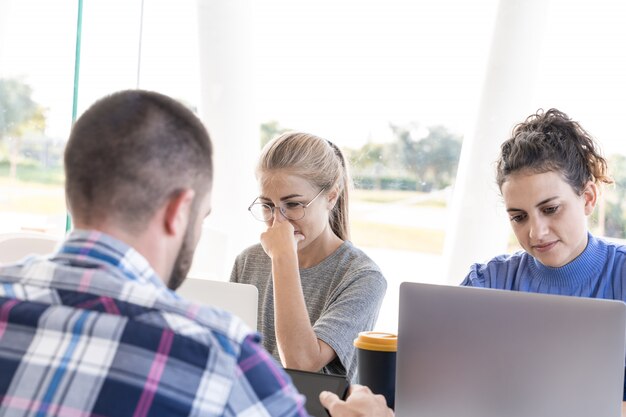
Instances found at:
x=475 y=277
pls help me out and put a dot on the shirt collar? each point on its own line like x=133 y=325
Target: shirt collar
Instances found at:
x=101 y=250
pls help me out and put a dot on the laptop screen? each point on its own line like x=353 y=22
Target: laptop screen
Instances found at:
x=489 y=353
x=238 y=299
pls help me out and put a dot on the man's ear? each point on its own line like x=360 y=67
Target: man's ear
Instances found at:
x=590 y=196
x=177 y=210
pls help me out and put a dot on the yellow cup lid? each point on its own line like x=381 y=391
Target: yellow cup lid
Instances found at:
x=378 y=341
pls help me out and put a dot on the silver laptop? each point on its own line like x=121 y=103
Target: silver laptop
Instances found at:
x=490 y=353
x=240 y=299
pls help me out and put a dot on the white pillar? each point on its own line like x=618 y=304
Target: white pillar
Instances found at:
x=227 y=109
x=479 y=228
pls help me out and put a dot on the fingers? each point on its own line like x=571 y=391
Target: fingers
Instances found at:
x=279 y=238
x=330 y=401
x=356 y=388
x=360 y=403
x=274 y=219
x=278 y=218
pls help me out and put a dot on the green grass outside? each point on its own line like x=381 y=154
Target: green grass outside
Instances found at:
x=371 y=234
x=396 y=196
x=40 y=191
x=40 y=204
x=382 y=196
x=34 y=174
x=435 y=202
x=397 y=237
x=31 y=197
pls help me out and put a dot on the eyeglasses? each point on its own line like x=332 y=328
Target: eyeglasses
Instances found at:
x=291 y=210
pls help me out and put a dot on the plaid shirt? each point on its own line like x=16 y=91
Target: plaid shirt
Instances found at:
x=92 y=331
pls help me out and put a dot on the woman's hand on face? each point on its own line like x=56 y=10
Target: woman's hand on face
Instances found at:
x=279 y=238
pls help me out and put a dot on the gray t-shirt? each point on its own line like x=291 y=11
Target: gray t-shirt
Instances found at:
x=343 y=294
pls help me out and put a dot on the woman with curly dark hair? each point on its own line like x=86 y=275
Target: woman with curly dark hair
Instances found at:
x=550 y=173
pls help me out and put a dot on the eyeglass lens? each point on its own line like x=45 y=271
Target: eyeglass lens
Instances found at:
x=265 y=212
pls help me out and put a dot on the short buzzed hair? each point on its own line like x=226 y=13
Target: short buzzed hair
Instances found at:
x=130 y=152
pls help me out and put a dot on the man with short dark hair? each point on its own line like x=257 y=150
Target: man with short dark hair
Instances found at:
x=95 y=328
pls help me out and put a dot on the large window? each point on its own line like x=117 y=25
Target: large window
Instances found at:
x=40 y=90
x=391 y=83
x=396 y=84
x=37 y=41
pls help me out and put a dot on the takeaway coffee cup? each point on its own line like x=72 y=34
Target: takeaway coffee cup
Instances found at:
x=376 y=363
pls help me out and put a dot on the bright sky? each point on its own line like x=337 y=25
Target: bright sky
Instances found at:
x=340 y=68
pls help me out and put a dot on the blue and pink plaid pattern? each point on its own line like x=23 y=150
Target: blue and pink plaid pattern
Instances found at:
x=91 y=331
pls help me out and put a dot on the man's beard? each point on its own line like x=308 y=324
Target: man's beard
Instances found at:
x=182 y=264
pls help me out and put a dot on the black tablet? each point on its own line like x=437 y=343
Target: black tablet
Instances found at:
x=310 y=384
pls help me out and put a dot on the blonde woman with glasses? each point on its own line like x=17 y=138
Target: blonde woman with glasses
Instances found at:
x=316 y=290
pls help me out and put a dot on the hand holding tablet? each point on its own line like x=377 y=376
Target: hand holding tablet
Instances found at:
x=311 y=384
